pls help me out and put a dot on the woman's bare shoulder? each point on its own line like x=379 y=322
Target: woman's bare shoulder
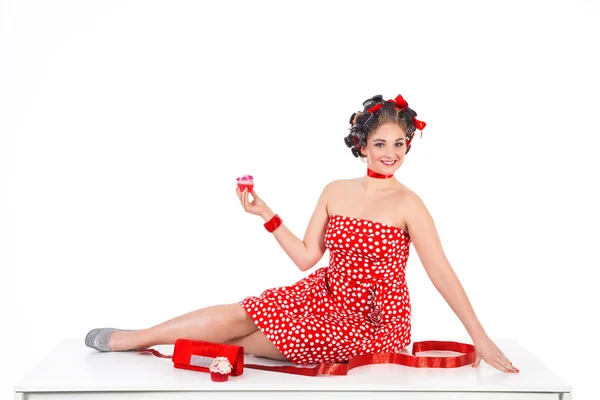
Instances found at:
x=339 y=184
x=333 y=191
x=406 y=197
x=405 y=191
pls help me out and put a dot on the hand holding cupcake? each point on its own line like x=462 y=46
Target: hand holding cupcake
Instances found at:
x=245 y=186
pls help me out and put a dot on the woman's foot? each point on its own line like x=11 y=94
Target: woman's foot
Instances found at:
x=121 y=341
x=110 y=339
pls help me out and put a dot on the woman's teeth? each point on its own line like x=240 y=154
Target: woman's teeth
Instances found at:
x=388 y=163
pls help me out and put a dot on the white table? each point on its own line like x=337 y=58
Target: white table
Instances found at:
x=73 y=371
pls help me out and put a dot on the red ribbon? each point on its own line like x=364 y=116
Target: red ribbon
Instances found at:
x=374 y=174
x=401 y=104
x=419 y=124
x=408 y=360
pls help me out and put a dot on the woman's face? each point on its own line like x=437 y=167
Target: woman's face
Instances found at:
x=387 y=143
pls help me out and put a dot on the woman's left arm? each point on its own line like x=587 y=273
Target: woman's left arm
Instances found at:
x=425 y=238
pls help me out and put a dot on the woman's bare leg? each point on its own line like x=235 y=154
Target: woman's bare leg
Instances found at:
x=257 y=344
x=216 y=324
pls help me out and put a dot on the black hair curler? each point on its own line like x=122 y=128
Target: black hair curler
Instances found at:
x=366 y=122
x=348 y=141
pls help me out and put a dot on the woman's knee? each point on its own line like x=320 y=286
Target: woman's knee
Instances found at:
x=242 y=319
x=257 y=344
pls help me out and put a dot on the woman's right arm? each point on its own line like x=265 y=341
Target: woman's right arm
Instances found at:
x=305 y=253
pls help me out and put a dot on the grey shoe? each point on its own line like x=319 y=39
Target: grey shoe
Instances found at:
x=99 y=338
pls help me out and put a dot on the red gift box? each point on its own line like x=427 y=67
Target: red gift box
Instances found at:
x=198 y=355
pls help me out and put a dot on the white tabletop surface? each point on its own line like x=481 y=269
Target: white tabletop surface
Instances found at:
x=71 y=366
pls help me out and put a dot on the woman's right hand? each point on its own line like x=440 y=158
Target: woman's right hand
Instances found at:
x=256 y=206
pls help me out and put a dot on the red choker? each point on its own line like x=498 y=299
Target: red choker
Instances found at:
x=374 y=174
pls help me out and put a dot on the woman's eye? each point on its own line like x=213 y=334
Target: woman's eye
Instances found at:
x=399 y=144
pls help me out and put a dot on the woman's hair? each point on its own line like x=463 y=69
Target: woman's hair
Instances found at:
x=364 y=124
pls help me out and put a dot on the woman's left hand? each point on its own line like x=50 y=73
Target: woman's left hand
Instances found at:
x=487 y=351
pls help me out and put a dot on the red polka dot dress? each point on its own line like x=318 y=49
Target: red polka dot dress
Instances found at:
x=357 y=304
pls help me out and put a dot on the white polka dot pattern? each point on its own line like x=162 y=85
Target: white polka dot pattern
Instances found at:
x=328 y=316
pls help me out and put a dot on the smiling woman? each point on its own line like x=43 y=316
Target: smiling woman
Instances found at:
x=358 y=304
x=387 y=147
x=377 y=114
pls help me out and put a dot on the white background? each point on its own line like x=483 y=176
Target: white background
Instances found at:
x=123 y=126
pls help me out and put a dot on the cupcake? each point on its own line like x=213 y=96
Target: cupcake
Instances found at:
x=245 y=182
x=220 y=369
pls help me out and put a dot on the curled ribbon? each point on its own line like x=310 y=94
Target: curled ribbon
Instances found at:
x=342 y=368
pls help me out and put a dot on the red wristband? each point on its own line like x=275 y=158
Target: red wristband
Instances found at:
x=273 y=223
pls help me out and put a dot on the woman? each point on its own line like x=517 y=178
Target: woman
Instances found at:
x=359 y=303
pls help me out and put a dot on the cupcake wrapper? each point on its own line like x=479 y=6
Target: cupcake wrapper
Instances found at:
x=248 y=186
x=218 y=377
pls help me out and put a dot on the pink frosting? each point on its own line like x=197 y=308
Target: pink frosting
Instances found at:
x=245 y=179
